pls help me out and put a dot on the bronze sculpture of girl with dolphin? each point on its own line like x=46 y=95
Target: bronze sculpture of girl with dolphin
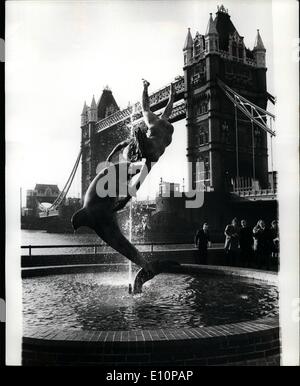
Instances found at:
x=100 y=212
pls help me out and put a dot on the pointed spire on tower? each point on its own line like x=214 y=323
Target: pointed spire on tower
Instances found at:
x=211 y=27
x=93 y=104
x=188 y=49
x=259 y=51
x=259 y=45
x=92 y=111
x=188 y=41
x=84 y=114
x=211 y=37
x=85 y=108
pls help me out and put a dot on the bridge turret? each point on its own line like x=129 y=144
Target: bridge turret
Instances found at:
x=259 y=51
x=211 y=37
x=210 y=115
x=92 y=111
x=106 y=104
x=84 y=115
x=188 y=48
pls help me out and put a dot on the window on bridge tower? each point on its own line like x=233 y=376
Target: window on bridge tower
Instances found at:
x=206 y=168
x=234 y=50
x=109 y=110
x=203 y=175
x=197 y=48
x=257 y=136
x=203 y=108
x=202 y=137
x=85 y=133
x=241 y=52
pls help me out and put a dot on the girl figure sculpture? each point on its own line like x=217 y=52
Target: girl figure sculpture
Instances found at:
x=100 y=213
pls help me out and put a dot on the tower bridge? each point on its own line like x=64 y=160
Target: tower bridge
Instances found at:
x=221 y=95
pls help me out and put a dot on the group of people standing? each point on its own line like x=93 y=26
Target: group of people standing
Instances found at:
x=244 y=246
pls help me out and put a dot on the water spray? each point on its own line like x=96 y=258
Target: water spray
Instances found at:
x=130 y=213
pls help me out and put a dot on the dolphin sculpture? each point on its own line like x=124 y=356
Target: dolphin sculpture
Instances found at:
x=99 y=212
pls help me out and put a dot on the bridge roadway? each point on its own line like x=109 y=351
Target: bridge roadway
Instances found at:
x=256 y=195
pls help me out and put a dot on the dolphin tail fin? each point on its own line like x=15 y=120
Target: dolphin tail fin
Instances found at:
x=79 y=218
x=159 y=266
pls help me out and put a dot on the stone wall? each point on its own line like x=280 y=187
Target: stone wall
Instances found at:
x=241 y=343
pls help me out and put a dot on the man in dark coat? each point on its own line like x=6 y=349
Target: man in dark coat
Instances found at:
x=232 y=242
x=274 y=242
x=202 y=238
x=246 y=244
x=262 y=245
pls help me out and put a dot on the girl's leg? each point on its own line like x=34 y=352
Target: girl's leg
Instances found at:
x=149 y=117
x=168 y=109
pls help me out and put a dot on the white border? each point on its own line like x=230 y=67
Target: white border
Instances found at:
x=286 y=51
x=286 y=79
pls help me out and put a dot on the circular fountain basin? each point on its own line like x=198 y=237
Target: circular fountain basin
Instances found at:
x=100 y=301
x=212 y=315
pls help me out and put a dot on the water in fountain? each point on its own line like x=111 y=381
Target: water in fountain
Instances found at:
x=98 y=301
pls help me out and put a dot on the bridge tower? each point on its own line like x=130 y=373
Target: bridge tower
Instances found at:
x=217 y=133
x=92 y=147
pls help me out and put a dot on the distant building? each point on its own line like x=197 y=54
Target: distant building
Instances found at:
x=42 y=193
x=168 y=189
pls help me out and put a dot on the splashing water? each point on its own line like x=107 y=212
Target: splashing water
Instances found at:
x=130 y=239
x=130 y=208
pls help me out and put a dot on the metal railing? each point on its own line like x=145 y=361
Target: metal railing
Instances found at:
x=253 y=192
x=95 y=247
x=49 y=213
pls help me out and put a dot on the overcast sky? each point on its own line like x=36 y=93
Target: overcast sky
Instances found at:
x=60 y=53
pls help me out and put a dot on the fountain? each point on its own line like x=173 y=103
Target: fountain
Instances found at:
x=200 y=315
x=188 y=315
x=130 y=210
